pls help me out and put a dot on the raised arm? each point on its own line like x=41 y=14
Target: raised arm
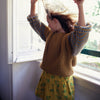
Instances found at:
x=33 y=6
x=35 y=23
x=81 y=19
x=80 y=35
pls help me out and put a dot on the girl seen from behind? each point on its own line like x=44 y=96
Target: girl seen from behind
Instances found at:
x=64 y=40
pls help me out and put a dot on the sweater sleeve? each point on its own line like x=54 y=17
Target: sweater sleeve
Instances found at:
x=79 y=37
x=41 y=29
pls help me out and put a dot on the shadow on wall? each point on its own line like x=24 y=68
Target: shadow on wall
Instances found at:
x=0 y=98
x=25 y=79
x=35 y=75
x=85 y=90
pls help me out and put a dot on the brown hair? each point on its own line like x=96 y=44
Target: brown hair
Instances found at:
x=67 y=22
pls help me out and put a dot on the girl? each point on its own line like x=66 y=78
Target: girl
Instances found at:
x=64 y=40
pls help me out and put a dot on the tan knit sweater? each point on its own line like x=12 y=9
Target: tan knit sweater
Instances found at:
x=57 y=57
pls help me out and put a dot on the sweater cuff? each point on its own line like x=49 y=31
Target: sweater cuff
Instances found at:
x=86 y=28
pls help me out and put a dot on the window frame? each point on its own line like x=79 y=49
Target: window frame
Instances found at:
x=10 y=30
x=30 y=55
x=91 y=52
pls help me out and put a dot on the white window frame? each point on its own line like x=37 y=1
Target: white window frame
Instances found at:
x=10 y=30
x=12 y=53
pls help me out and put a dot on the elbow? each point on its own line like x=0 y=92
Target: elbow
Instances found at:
x=77 y=49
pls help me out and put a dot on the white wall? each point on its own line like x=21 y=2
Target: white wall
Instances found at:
x=25 y=79
x=84 y=90
x=5 y=69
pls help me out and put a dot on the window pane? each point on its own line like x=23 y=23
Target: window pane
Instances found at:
x=93 y=16
x=88 y=61
x=23 y=36
x=22 y=9
x=27 y=40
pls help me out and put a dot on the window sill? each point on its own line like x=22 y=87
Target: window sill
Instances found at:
x=81 y=72
x=87 y=74
x=29 y=57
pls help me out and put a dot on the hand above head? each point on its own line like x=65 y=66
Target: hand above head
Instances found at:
x=81 y=18
x=79 y=2
x=32 y=11
x=33 y=1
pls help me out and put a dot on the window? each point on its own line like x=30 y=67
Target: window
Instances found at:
x=25 y=45
x=23 y=42
x=88 y=66
x=91 y=51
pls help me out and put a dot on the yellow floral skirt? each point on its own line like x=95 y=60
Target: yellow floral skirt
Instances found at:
x=53 y=87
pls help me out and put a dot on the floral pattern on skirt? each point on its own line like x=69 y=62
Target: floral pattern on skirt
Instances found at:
x=53 y=87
